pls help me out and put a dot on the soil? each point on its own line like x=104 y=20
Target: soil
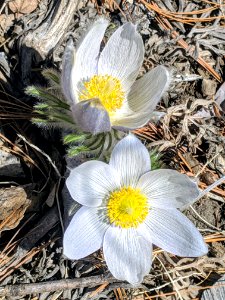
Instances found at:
x=190 y=138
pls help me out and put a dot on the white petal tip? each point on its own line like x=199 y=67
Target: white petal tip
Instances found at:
x=167 y=74
x=67 y=251
x=204 y=249
x=138 y=281
x=67 y=255
x=131 y=137
x=129 y=24
x=199 y=250
x=101 y=20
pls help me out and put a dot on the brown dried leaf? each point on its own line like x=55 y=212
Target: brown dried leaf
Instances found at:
x=51 y=197
x=6 y=21
x=13 y=204
x=23 y=6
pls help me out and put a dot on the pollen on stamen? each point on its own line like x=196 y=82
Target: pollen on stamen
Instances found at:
x=107 y=88
x=127 y=207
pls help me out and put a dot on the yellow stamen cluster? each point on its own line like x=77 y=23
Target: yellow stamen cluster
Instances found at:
x=127 y=207
x=107 y=88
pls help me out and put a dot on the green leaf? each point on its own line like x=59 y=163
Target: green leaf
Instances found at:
x=96 y=141
x=61 y=118
x=72 y=138
x=32 y=91
x=109 y=135
x=43 y=94
x=156 y=160
x=73 y=151
x=41 y=106
x=39 y=121
x=52 y=75
x=40 y=112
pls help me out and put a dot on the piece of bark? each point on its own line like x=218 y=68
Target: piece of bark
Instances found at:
x=42 y=40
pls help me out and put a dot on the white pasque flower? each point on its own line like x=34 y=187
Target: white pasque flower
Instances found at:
x=100 y=86
x=127 y=208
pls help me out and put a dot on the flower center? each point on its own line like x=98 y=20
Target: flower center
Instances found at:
x=127 y=207
x=107 y=88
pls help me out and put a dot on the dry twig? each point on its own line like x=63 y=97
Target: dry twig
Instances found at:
x=37 y=288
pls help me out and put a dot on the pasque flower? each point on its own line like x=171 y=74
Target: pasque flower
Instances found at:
x=101 y=87
x=127 y=208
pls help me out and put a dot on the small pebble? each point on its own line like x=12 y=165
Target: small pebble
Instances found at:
x=208 y=87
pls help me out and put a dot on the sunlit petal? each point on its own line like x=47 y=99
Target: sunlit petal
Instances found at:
x=173 y=232
x=84 y=235
x=147 y=91
x=128 y=256
x=123 y=55
x=130 y=159
x=91 y=182
x=168 y=188
x=88 y=53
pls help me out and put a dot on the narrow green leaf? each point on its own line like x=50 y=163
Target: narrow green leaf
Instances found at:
x=39 y=121
x=72 y=138
x=156 y=160
x=73 y=151
x=43 y=94
x=51 y=75
x=62 y=118
x=41 y=106
x=40 y=112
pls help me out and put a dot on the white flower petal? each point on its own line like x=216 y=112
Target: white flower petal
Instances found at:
x=173 y=232
x=123 y=55
x=134 y=120
x=88 y=53
x=128 y=255
x=68 y=62
x=89 y=183
x=84 y=235
x=147 y=91
x=91 y=116
x=131 y=121
x=168 y=188
x=130 y=159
